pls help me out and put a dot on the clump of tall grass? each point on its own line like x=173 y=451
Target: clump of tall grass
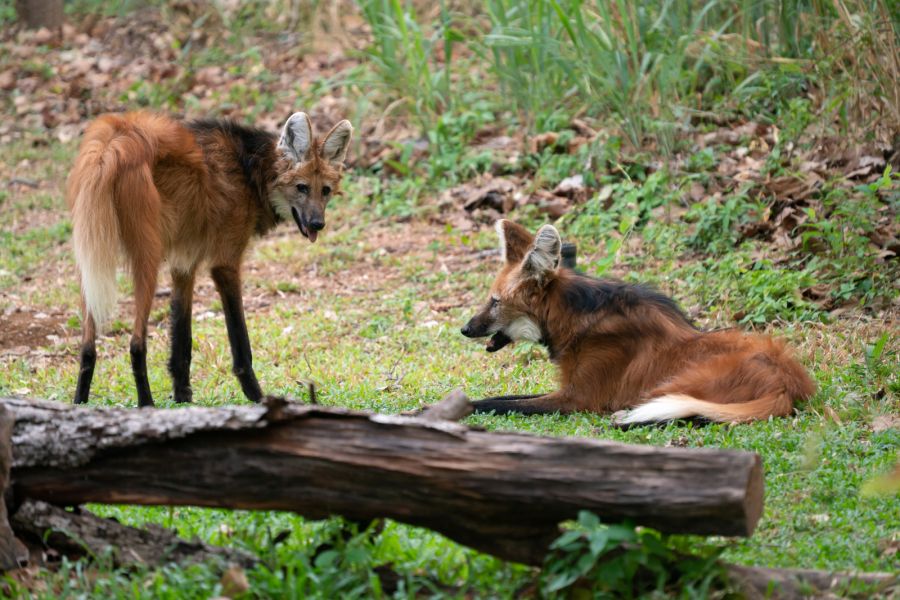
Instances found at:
x=413 y=59
x=597 y=56
x=859 y=62
x=649 y=65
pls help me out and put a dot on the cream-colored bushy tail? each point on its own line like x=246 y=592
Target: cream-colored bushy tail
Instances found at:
x=95 y=233
x=680 y=406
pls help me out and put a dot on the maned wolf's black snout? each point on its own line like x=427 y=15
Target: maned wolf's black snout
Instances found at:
x=317 y=224
x=475 y=328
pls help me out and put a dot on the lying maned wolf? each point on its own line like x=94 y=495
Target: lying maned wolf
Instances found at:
x=622 y=346
x=193 y=193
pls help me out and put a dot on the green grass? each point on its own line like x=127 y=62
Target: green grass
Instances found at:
x=378 y=345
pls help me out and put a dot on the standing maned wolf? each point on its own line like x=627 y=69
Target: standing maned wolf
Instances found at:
x=193 y=193
x=622 y=346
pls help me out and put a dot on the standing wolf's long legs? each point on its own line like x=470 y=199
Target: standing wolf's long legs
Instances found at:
x=180 y=359
x=228 y=282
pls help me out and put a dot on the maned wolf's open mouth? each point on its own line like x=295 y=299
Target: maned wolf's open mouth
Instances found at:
x=310 y=234
x=497 y=341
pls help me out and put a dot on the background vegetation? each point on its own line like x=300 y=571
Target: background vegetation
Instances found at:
x=740 y=155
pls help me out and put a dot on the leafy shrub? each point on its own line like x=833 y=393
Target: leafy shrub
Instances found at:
x=621 y=561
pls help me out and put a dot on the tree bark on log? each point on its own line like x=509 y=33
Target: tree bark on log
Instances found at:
x=763 y=583
x=11 y=550
x=501 y=493
x=81 y=533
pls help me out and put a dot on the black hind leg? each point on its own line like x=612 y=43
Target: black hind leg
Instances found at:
x=88 y=359
x=144 y=290
x=139 y=369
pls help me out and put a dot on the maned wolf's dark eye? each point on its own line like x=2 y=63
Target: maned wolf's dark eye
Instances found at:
x=326 y=190
x=495 y=300
x=302 y=188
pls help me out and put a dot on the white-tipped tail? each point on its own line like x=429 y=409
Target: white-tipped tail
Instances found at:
x=663 y=408
x=95 y=233
x=681 y=406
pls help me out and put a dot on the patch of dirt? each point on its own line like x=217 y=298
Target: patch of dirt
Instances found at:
x=885 y=422
x=35 y=218
x=23 y=331
x=100 y=64
x=370 y=273
x=270 y=283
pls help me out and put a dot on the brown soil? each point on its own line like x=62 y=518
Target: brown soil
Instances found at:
x=24 y=330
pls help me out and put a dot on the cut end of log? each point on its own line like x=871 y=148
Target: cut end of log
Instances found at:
x=753 y=498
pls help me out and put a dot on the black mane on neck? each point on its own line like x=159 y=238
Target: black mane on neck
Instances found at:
x=254 y=151
x=587 y=295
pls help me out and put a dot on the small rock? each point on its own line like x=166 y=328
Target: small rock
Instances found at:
x=572 y=187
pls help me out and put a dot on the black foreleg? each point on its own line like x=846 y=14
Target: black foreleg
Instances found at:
x=228 y=282
x=533 y=404
x=180 y=327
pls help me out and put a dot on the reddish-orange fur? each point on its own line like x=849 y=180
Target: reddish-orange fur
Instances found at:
x=152 y=188
x=635 y=348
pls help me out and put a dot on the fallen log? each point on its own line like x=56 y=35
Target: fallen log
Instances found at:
x=769 y=584
x=500 y=493
x=90 y=437
x=82 y=533
x=12 y=552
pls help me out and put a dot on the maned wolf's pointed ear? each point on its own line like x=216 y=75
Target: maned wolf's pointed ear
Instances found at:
x=334 y=148
x=544 y=255
x=514 y=240
x=296 y=136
